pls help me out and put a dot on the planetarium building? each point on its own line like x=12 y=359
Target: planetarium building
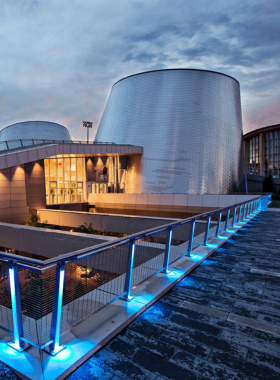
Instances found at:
x=190 y=127
x=172 y=132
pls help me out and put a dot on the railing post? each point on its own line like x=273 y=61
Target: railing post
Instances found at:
x=246 y=212
x=129 y=270
x=244 y=209
x=57 y=310
x=20 y=142
x=16 y=307
x=227 y=218
x=249 y=208
x=207 y=229
x=191 y=238
x=218 y=224
x=233 y=218
x=167 y=250
x=239 y=214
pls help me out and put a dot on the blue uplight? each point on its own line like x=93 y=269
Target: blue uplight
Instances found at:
x=57 y=347
x=15 y=344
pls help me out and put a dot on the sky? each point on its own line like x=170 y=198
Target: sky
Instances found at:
x=60 y=59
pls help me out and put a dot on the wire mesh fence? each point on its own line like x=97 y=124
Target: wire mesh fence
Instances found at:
x=96 y=277
x=148 y=257
x=180 y=241
x=93 y=282
x=6 y=318
x=37 y=300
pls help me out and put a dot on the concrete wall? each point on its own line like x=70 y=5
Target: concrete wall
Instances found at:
x=44 y=242
x=164 y=205
x=35 y=184
x=22 y=188
x=13 y=202
x=113 y=223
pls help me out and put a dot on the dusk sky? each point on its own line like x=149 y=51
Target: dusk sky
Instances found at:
x=59 y=59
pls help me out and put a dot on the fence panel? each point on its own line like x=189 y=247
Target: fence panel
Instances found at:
x=92 y=283
x=6 y=316
x=37 y=297
x=148 y=257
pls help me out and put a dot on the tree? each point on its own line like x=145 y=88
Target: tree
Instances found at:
x=35 y=221
x=268 y=184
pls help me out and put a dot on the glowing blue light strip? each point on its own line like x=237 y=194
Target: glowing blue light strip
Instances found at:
x=167 y=251
x=207 y=230
x=239 y=215
x=218 y=224
x=129 y=270
x=14 y=308
x=191 y=238
x=59 y=310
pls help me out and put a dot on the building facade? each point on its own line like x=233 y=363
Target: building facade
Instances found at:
x=190 y=127
x=43 y=168
x=262 y=151
x=173 y=131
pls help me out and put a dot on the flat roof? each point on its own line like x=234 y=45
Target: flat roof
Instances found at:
x=23 y=155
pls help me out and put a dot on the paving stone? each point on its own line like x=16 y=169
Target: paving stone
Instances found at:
x=204 y=309
x=205 y=368
x=265 y=360
x=272 y=338
x=195 y=324
x=91 y=371
x=142 y=327
x=183 y=341
x=6 y=373
x=161 y=348
x=169 y=369
x=252 y=343
x=248 y=369
x=254 y=324
x=120 y=366
x=273 y=320
x=170 y=341
x=120 y=347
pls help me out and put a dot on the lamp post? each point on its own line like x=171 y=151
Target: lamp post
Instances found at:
x=87 y=124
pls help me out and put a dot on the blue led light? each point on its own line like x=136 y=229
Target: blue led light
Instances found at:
x=15 y=344
x=57 y=347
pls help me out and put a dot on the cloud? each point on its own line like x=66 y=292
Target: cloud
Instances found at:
x=58 y=61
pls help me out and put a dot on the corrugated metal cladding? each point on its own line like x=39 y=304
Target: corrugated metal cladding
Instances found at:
x=189 y=124
x=35 y=130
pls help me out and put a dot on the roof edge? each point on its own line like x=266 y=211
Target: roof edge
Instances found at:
x=261 y=129
x=177 y=69
x=35 y=121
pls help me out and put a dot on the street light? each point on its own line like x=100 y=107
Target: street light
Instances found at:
x=87 y=124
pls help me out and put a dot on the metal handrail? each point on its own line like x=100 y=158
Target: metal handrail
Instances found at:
x=119 y=241
x=32 y=142
x=246 y=208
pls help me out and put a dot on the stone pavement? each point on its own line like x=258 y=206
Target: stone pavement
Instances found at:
x=220 y=322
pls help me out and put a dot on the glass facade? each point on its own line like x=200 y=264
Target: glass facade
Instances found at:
x=65 y=180
x=112 y=180
x=267 y=161
x=271 y=153
x=253 y=154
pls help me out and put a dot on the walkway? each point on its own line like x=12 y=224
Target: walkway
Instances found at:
x=220 y=322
